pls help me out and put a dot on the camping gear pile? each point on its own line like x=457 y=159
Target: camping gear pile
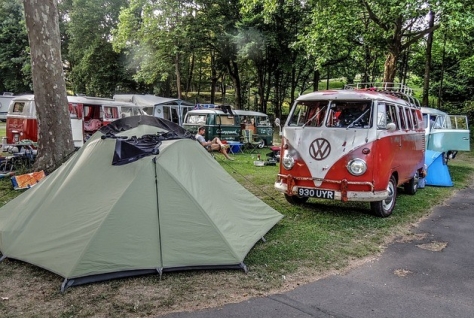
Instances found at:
x=140 y=197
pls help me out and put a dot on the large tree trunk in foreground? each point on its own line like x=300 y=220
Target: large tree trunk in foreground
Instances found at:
x=55 y=141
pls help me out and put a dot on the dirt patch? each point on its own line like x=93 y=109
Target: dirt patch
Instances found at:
x=402 y=272
x=433 y=246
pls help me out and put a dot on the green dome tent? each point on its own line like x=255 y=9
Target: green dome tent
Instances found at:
x=141 y=196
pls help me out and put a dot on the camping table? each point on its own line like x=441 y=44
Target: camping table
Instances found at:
x=235 y=147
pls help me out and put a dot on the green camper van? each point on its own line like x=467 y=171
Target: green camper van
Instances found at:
x=228 y=124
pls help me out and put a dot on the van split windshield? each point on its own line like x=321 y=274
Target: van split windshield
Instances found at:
x=337 y=114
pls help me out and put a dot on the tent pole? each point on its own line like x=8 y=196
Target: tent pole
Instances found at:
x=158 y=215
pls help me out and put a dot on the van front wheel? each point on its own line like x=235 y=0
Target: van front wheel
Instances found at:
x=261 y=144
x=295 y=200
x=384 y=208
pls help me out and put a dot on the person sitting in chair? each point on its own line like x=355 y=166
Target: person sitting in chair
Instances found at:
x=214 y=145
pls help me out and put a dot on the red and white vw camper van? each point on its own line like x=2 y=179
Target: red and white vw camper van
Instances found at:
x=87 y=115
x=355 y=144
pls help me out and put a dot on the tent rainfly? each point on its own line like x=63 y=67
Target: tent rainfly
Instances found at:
x=438 y=172
x=140 y=197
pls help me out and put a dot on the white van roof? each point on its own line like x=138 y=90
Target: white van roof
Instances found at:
x=429 y=110
x=149 y=99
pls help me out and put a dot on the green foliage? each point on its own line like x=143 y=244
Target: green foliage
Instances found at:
x=96 y=70
x=15 y=69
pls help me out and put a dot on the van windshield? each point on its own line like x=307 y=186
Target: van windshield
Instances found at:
x=308 y=113
x=348 y=114
x=196 y=118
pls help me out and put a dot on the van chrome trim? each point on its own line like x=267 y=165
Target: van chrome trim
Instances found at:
x=369 y=196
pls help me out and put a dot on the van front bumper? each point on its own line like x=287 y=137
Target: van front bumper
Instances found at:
x=352 y=196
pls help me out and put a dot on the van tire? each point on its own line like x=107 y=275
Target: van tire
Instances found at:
x=384 y=208
x=262 y=144
x=295 y=200
x=411 y=186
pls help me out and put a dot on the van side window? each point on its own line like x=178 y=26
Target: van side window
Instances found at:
x=409 y=118
x=392 y=115
x=381 y=116
x=403 y=121
x=440 y=122
x=415 y=119
x=262 y=121
x=225 y=120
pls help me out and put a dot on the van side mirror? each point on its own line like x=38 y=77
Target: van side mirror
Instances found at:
x=391 y=127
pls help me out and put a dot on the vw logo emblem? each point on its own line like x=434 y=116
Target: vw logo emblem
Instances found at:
x=320 y=149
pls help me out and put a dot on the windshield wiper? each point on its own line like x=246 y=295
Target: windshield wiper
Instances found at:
x=358 y=119
x=314 y=116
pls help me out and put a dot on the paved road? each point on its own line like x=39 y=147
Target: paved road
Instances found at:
x=419 y=278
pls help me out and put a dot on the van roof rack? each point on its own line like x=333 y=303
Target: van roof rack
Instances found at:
x=224 y=108
x=397 y=89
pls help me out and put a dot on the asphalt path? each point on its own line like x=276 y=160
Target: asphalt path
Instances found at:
x=431 y=276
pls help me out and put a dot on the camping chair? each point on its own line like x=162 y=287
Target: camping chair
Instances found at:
x=249 y=140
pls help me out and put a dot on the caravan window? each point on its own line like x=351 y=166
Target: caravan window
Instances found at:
x=110 y=112
x=74 y=111
x=127 y=111
x=149 y=110
x=170 y=114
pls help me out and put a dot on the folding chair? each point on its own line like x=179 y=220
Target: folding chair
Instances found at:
x=249 y=140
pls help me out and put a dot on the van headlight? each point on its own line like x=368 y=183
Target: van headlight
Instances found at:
x=357 y=166
x=287 y=161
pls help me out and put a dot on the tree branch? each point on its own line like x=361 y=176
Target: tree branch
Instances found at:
x=373 y=16
x=418 y=36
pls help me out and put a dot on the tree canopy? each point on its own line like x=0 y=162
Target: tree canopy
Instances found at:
x=256 y=54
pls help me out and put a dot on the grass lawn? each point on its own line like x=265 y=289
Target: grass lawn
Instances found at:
x=310 y=242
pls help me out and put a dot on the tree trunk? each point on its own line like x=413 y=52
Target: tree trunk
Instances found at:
x=440 y=90
x=178 y=76
x=429 y=46
x=55 y=142
x=213 y=79
x=190 y=76
x=316 y=78
x=233 y=69
x=390 y=67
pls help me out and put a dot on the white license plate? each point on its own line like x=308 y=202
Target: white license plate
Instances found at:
x=317 y=193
